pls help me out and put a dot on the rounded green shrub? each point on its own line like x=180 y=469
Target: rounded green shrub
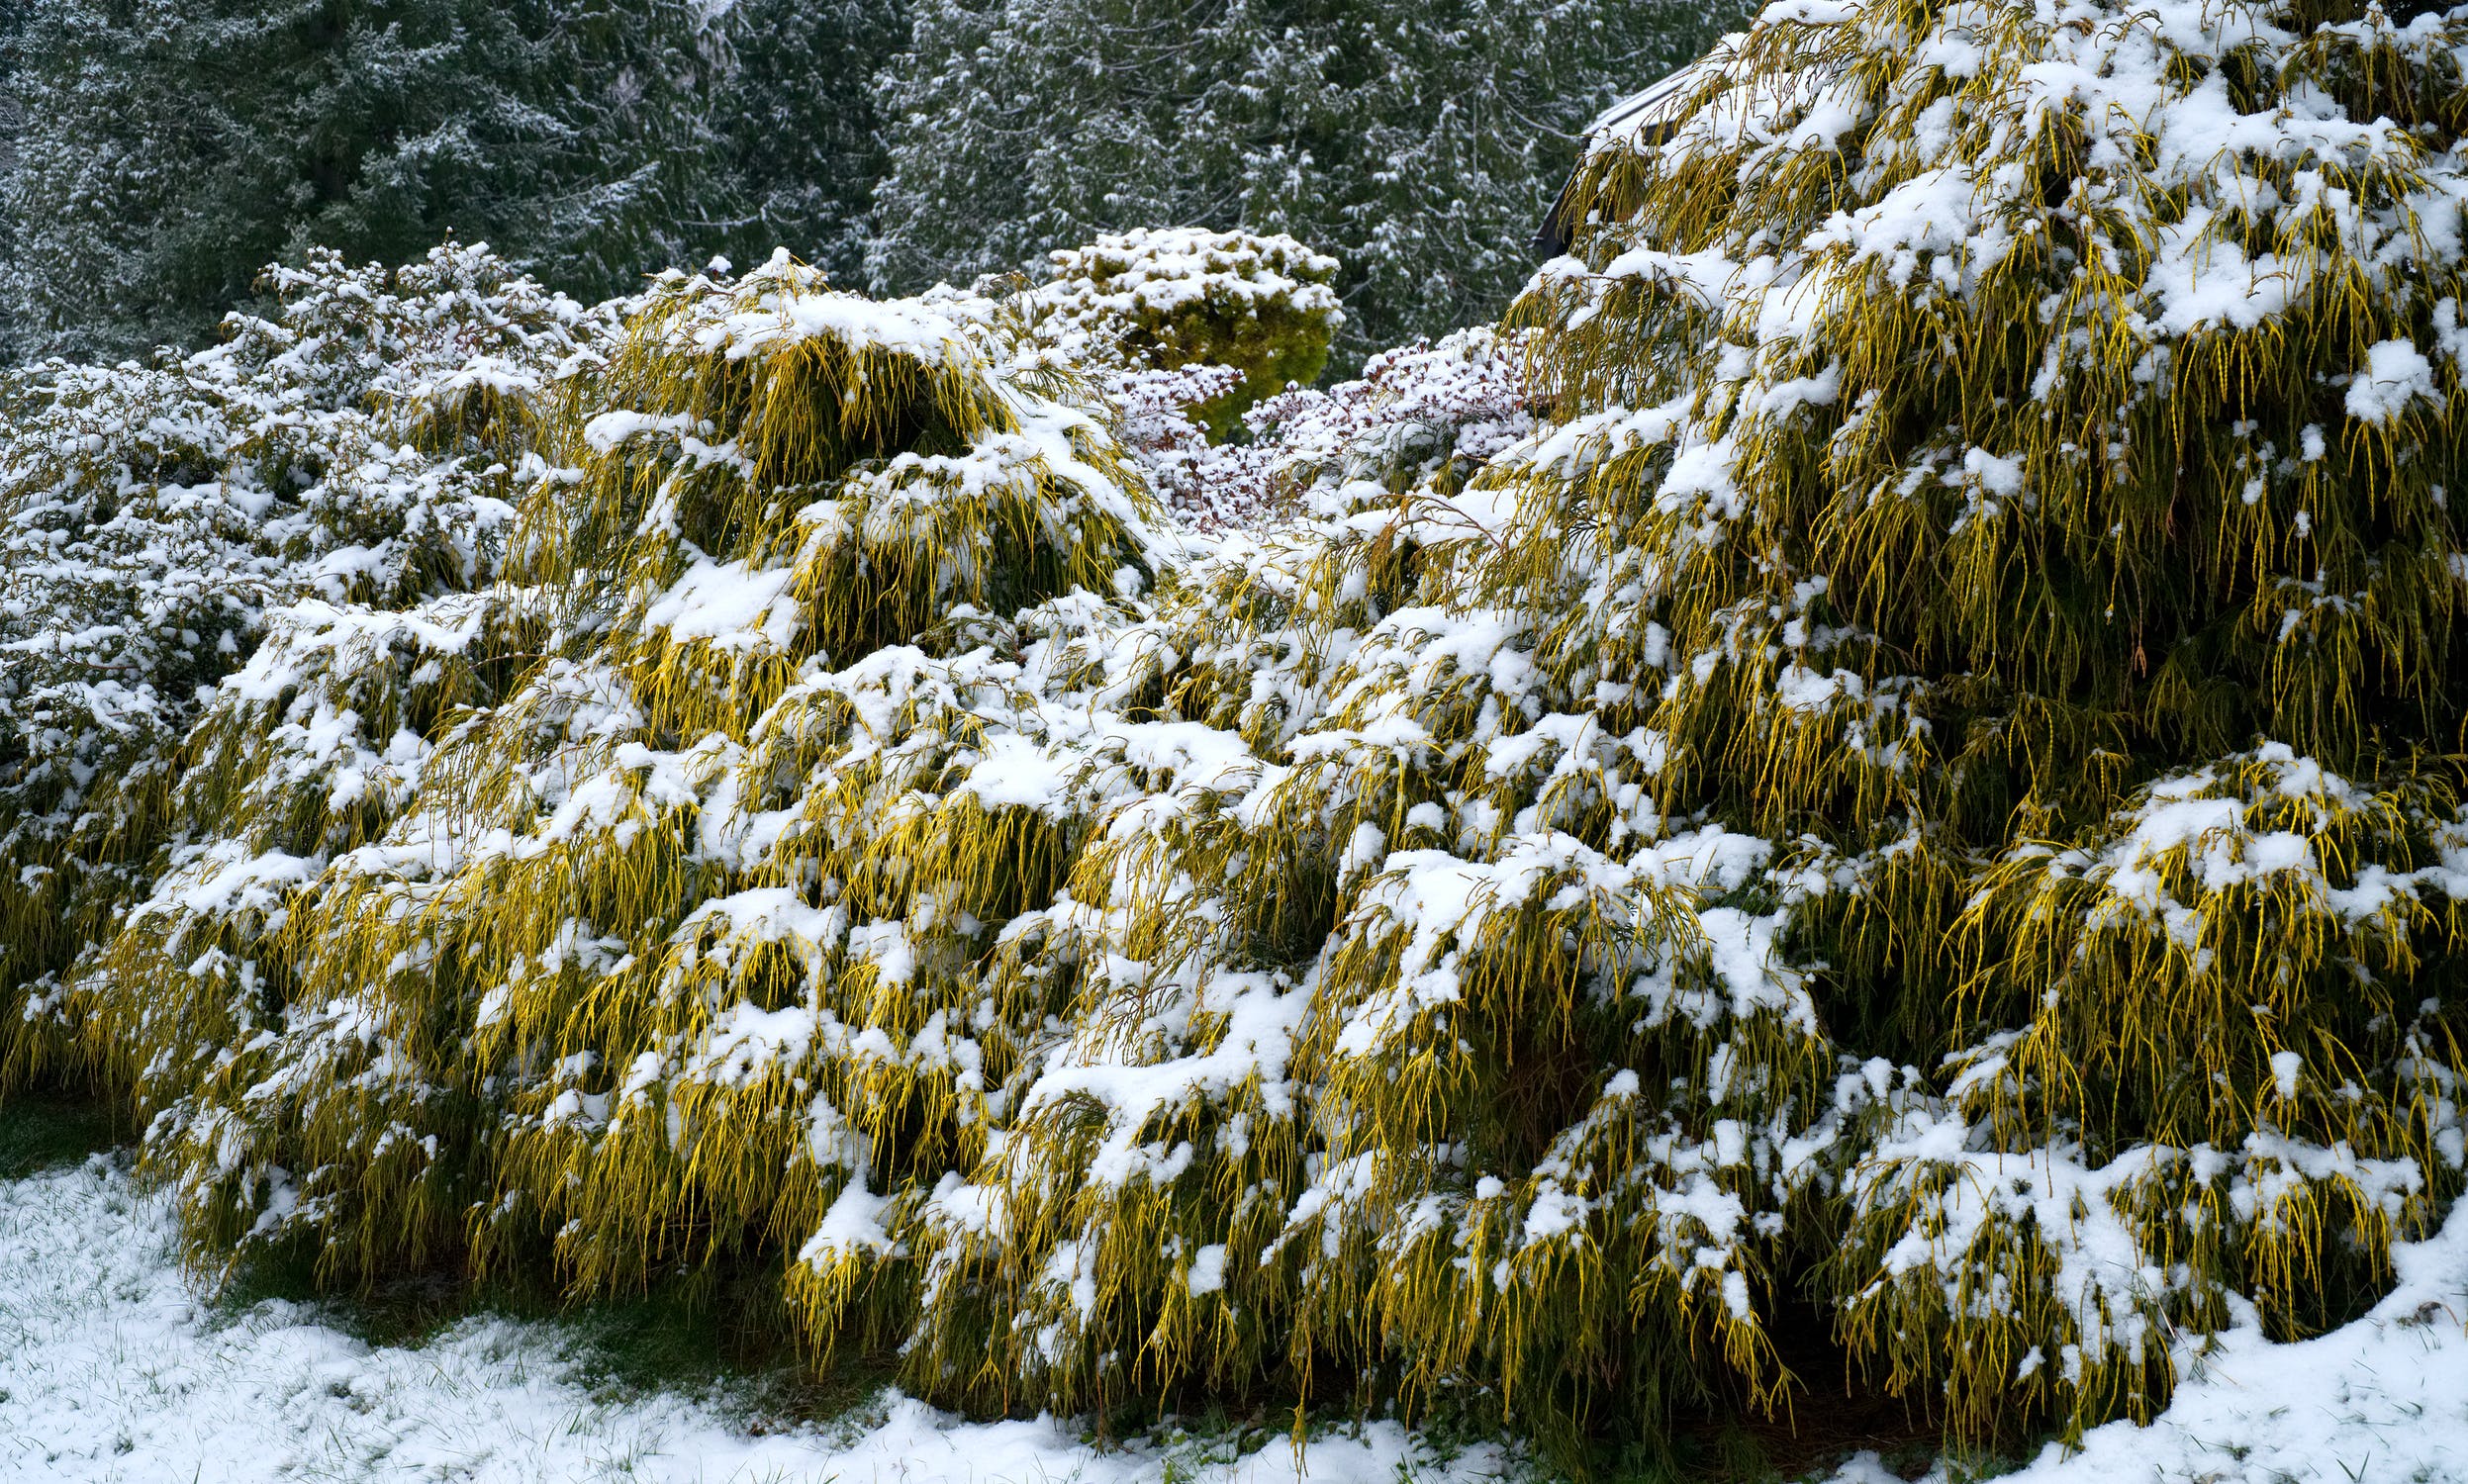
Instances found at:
x=1167 y=298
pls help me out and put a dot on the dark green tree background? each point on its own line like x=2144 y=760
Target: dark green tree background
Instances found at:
x=1419 y=143
x=799 y=147
x=158 y=152
x=169 y=149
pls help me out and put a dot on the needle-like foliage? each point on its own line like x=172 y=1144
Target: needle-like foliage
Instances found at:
x=351 y=450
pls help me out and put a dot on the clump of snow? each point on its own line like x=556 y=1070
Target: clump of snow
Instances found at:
x=2396 y=373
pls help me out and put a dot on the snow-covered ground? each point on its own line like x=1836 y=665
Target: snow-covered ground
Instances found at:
x=112 y=1370
x=2382 y=1401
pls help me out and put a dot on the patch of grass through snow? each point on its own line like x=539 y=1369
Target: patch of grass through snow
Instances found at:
x=45 y=1129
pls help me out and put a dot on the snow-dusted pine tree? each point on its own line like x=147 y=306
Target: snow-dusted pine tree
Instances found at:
x=169 y=149
x=12 y=125
x=1419 y=144
x=794 y=122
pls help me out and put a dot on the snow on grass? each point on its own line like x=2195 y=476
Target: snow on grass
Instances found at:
x=112 y=1367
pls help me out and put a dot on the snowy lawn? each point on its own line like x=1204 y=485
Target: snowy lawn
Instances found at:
x=112 y=1368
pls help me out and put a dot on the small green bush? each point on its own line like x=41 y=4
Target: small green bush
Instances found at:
x=1168 y=298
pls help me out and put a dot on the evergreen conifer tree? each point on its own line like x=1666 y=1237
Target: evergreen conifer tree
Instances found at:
x=171 y=149
x=1419 y=144
x=795 y=124
x=12 y=125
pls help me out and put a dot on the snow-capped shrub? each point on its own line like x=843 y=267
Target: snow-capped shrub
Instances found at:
x=1187 y=332
x=132 y=565
x=1208 y=484
x=2003 y=468
x=1929 y=783
x=354 y=447
x=1420 y=422
x=853 y=831
x=795 y=564
x=1163 y=299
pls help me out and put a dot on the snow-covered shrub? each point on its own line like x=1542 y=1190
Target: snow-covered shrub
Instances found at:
x=2003 y=470
x=792 y=566
x=1420 y=422
x=1191 y=332
x=1928 y=782
x=354 y=447
x=1166 y=299
x=1208 y=484
x=855 y=831
x=131 y=563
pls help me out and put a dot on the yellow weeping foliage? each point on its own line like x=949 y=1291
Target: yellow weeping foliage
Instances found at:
x=2028 y=430
x=1927 y=793
x=856 y=839
x=875 y=475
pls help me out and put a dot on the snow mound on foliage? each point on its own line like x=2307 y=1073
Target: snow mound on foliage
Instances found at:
x=2384 y=1398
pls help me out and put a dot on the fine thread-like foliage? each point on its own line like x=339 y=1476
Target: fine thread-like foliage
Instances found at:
x=2013 y=423
x=855 y=833
x=352 y=451
x=1914 y=774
